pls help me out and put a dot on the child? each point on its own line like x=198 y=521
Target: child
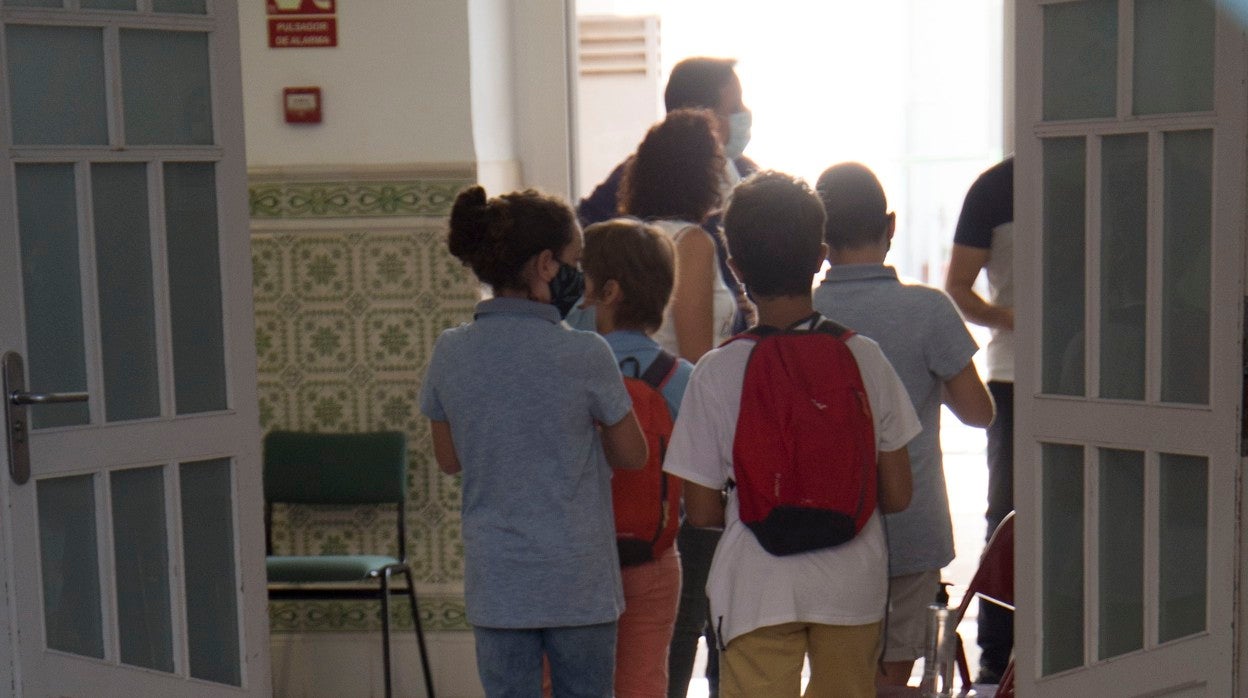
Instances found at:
x=772 y=611
x=924 y=338
x=513 y=399
x=629 y=273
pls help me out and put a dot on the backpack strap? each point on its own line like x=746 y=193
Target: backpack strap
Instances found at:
x=656 y=375
x=817 y=322
x=660 y=370
x=833 y=328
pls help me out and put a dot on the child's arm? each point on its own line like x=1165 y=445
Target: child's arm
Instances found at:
x=624 y=444
x=444 y=447
x=895 y=484
x=967 y=396
x=693 y=305
x=704 y=507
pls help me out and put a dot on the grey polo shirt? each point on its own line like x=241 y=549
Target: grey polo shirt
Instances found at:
x=922 y=335
x=522 y=393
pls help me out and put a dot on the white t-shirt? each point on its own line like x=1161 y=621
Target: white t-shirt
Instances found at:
x=748 y=587
x=724 y=305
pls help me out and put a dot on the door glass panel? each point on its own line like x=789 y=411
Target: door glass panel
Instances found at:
x=141 y=555
x=1184 y=559
x=1063 y=244
x=1080 y=59
x=186 y=7
x=1062 y=557
x=57 y=101
x=33 y=3
x=1124 y=268
x=165 y=87
x=211 y=586
x=47 y=220
x=195 y=287
x=107 y=4
x=1121 y=552
x=70 y=565
x=1173 y=68
x=1185 y=267
x=127 y=304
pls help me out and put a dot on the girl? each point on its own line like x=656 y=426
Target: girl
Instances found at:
x=629 y=273
x=532 y=414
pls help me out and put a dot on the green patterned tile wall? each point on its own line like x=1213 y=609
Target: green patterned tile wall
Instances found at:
x=352 y=284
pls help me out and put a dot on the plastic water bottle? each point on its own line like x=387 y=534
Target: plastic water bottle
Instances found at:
x=939 y=648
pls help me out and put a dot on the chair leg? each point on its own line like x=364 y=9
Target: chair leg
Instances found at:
x=1006 y=687
x=964 y=670
x=420 y=634
x=385 y=628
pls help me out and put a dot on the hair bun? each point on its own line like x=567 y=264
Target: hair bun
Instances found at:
x=468 y=223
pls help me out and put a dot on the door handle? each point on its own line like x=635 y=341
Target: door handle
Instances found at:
x=16 y=422
x=19 y=398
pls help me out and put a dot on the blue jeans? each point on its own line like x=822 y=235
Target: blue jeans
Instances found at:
x=582 y=660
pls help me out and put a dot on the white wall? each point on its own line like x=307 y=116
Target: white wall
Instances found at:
x=493 y=97
x=544 y=91
x=395 y=89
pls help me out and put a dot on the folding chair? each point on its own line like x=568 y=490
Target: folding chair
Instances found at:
x=994 y=581
x=341 y=469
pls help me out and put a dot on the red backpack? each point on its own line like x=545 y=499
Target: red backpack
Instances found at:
x=647 y=501
x=804 y=455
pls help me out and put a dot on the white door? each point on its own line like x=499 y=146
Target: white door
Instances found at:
x=132 y=549
x=1129 y=208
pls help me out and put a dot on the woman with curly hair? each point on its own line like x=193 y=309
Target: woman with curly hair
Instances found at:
x=673 y=181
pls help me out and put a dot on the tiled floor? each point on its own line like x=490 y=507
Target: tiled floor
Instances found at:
x=967 y=481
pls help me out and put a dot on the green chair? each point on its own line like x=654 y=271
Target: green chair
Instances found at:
x=341 y=469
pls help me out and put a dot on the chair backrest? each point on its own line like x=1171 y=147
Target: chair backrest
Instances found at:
x=315 y=468
x=994 y=579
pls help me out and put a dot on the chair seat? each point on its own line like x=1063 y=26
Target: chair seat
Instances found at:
x=295 y=569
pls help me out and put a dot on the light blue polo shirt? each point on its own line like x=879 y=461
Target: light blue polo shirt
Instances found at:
x=632 y=344
x=522 y=393
x=922 y=335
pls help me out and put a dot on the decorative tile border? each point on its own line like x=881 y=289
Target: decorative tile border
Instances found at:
x=345 y=199
x=436 y=613
x=347 y=308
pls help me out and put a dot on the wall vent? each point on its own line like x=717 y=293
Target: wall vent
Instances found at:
x=619 y=45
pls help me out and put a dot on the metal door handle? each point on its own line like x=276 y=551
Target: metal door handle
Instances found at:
x=18 y=397
x=16 y=423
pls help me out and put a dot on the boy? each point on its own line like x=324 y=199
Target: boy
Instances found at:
x=770 y=612
x=629 y=273
x=925 y=340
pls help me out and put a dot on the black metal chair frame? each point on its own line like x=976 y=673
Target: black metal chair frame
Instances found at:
x=355 y=591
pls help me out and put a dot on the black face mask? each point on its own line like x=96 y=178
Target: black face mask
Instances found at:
x=566 y=288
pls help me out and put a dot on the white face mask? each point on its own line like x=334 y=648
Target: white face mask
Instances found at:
x=738 y=134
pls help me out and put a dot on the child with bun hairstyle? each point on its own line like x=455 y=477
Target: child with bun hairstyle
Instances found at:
x=533 y=415
x=630 y=268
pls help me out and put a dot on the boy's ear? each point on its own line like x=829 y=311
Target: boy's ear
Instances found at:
x=611 y=292
x=892 y=223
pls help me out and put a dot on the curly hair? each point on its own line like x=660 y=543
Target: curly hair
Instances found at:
x=496 y=237
x=676 y=171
